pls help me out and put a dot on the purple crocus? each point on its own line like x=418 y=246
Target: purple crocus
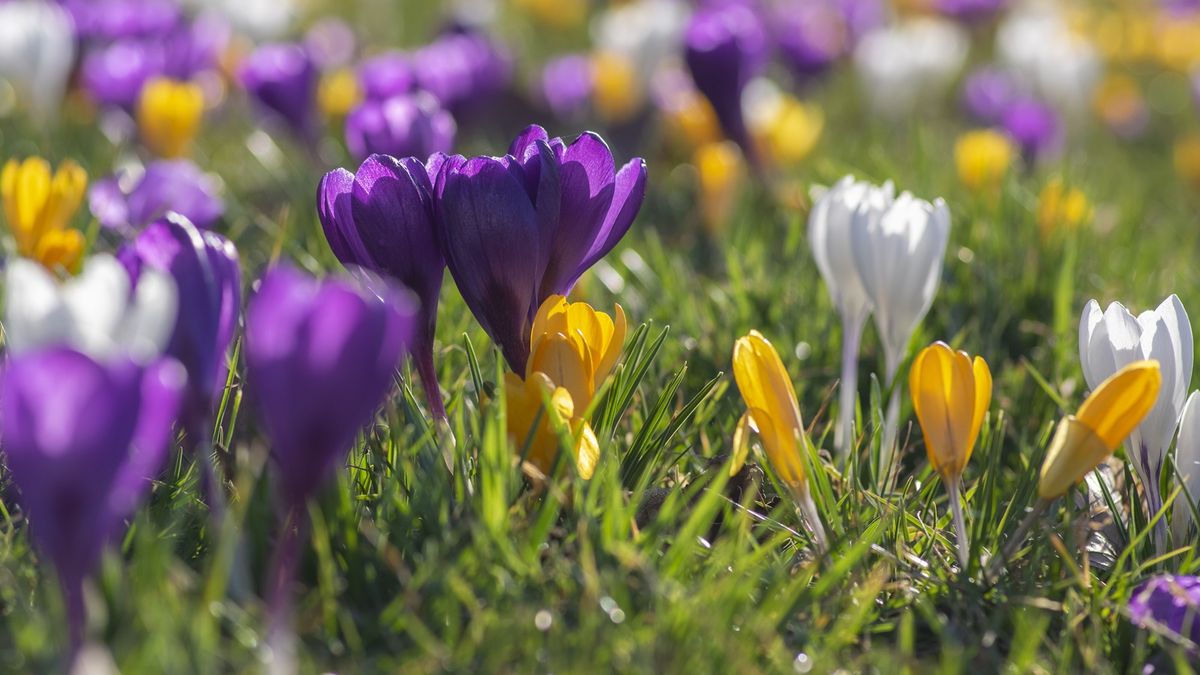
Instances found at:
x=462 y=68
x=1168 y=602
x=123 y=202
x=725 y=47
x=407 y=125
x=519 y=228
x=810 y=36
x=381 y=218
x=1034 y=126
x=282 y=80
x=987 y=94
x=386 y=75
x=970 y=10
x=117 y=19
x=82 y=440
x=567 y=84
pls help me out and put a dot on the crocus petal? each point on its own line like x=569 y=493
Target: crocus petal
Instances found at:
x=1187 y=462
x=629 y=192
x=1117 y=406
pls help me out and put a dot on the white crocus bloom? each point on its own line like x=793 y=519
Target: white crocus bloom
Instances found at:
x=647 y=32
x=1111 y=339
x=898 y=252
x=37 y=50
x=904 y=64
x=1037 y=44
x=96 y=312
x=1187 y=462
x=829 y=236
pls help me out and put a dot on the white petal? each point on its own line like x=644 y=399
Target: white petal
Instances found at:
x=1187 y=460
x=151 y=318
x=1089 y=322
x=34 y=313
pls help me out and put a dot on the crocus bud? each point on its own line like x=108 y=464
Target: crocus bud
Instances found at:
x=1187 y=463
x=950 y=394
x=462 y=68
x=1170 y=602
x=1061 y=208
x=1108 y=415
x=283 y=82
x=1034 y=127
x=983 y=158
x=39 y=205
x=168 y=116
x=37 y=52
x=909 y=63
x=125 y=201
x=411 y=125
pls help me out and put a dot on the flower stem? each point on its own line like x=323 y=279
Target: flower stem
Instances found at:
x=808 y=511
x=1018 y=538
x=281 y=578
x=953 y=485
x=72 y=591
x=888 y=461
x=843 y=433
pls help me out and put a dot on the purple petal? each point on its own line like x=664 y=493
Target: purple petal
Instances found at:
x=627 y=201
x=337 y=218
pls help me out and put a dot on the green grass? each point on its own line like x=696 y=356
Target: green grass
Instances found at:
x=661 y=563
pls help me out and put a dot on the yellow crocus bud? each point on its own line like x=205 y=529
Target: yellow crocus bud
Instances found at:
x=1061 y=208
x=168 y=115
x=720 y=169
x=789 y=131
x=1102 y=423
x=950 y=393
x=982 y=158
x=39 y=206
x=691 y=121
x=338 y=93
x=616 y=86
x=531 y=429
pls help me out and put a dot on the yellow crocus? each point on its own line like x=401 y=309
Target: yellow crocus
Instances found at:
x=168 y=115
x=1061 y=208
x=788 y=133
x=950 y=393
x=691 y=121
x=39 y=205
x=338 y=93
x=573 y=348
x=773 y=411
x=982 y=158
x=720 y=170
x=1105 y=419
x=616 y=86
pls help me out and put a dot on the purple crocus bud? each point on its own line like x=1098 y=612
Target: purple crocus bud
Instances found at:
x=205 y=268
x=462 y=68
x=167 y=185
x=1034 y=126
x=381 y=218
x=567 y=84
x=520 y=228
x=114 y=74
x=987 y=94
x=811 y=36
x=725 y=47
x=283 y=81
x=82 y=441
x=408 y=125
x=386 y=75
x=1168 y=602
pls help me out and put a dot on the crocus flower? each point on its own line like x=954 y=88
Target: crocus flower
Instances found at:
x=983 y=157
x=283 y=82
x=573 y=349
x=1110 y=339
x=331 y=43
x=168 y=116
x=39 y=205
x=617 y=88
x=381 y=218
x=811 y=36
x=101 y=312
x=1061 y=208
x=987 y=93
x=82 y=440
x=1033 y=126
x=386 y=75
x=725 y=47
x=772 y=410
x=412 y=125
x=829 y=236
x=1187 y=463
x=785 y=129
x=1038 y=45
x=338 y=92
x=1168 y=601
x=898 y=252
x=37 y=52
x=646 y=32
x=567 y=84
x=128 y=201
x=1110 y=413
x=260 y=19
x=720 y=171
x=520 y=228
x=905 y=65
x=106 y=20
x=970 y=10
x=462 y=68
x=950 y=394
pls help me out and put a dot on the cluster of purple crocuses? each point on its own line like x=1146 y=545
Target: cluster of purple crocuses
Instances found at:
x=994 y=98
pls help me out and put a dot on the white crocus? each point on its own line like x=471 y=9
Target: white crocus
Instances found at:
x=37 y=50
x=1113 y=338
x=1187 y=463
x=96 y=312
x=1037 y=44
x=898 y=252
x=829 y=236
x=907 y=63
x=647 y=32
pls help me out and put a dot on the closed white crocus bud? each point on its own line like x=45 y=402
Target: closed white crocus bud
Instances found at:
x=97 y=312
x=898 y=252
x=1111 y=339
x=829 y=237
x=907 y=63
x=37 y=50
x=1187 y=463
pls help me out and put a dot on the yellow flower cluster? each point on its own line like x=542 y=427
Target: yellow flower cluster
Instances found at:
x=39 y=205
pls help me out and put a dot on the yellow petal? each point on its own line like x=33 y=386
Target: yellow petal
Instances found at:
x=548 y=312
x=741 y=444
x=942 y=384
x=566 y=361
x=763 y=382
x=66 y=195
x=168 y=115
x=30 y=191
x=983 y=399
x=1074 y=451
x=61 y=250
x=614 y=342
x=1118 y=405
x=587 y=449
x=783 y=451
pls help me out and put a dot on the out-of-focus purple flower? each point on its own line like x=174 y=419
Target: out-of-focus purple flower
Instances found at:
x=1034 y=126
x=519 y=228
x=970 y=10
x=282 y=79
x=567 y=84
x=408 y=125
x=861 y=16
x=386 y=75
x=461 y=68
x=810 y=36
x=381 y=218
x=330 y=43
x=1168 y=601
x=320 y=358
x=726 y=46
x=205 y=268
x=82 y=441
x=117 y=19
x=122 y=201
x=1180 y=7
x=987 y=94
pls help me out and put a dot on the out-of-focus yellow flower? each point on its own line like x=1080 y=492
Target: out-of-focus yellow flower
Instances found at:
x=616 y=86
x=692 y=121
x=1186 y=158
x=1061 y=208
x=561 y=13
x=721 y=169
x=338 y=93
x=168 y=115
x=1177 y=44
x=1118 y=102
x=950 y=394
x=788 y=131
x=39 y=206
x=1104 y=420
x=573 y=348
x=983 y=157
